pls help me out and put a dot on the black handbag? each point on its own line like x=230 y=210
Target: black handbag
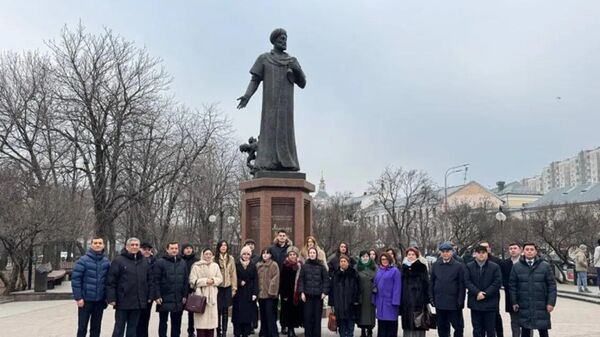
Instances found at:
x=425 y=319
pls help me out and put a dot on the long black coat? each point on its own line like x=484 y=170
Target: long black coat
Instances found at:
x=171 y=283
x=533 y=288
x=291 y=307
x=489 y=281
x=448 y=285
x=244 y=308
x=314 y=279
x=506 y=267
x=415 y=293
x=344 y=295
x=129 y=281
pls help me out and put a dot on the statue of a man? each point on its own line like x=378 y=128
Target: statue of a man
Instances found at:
x=279 y=72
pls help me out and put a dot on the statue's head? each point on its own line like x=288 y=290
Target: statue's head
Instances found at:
x=279 y=39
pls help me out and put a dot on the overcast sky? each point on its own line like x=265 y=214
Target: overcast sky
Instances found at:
x=424 y=85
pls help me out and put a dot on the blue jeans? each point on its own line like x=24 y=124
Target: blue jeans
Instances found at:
x=581 y=280
x=346 y=327
x=598 y=277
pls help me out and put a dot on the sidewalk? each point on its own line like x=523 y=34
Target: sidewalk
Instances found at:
x=59 y=319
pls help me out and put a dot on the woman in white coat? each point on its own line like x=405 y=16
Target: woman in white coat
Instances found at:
x=204 y=279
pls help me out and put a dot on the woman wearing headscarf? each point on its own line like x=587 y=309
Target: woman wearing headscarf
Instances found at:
x=415 y=292
x=387 y=288
x=311 y=242
x=268 y=290
x=204 y=279
x=228 y=288
x=291 y=305
x=244 y=302
x=366 y=268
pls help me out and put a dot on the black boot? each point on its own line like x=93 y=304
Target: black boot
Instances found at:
x=370 y=332
x=224 y=323
x=363 y=332
x=284 y=330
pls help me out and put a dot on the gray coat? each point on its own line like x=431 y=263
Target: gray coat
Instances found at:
x=533 y=288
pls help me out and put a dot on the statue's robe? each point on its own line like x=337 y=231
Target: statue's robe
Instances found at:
x=276 y=142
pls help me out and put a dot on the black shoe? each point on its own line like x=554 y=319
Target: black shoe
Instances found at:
x=284 y=331
x=252 y=332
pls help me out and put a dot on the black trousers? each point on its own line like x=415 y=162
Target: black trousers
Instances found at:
x=190 y=330
x=142 y=329
x=527 y=332
x=313 y=310
x=484 y=323
x=499 y=326
x=445 y=318
x=268 y=317
x=126 y=319
x=90 y=313
x=175 y=323
x=387 y=328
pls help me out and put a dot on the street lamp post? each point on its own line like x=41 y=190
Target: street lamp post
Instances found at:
x=501 y=217
x=454 y=169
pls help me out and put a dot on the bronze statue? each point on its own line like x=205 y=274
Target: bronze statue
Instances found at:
x=278 y=72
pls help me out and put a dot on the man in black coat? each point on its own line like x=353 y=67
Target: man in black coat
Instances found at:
x=142 y=329
x=128 y=285
x=483 y=280
x=498 y=261
x=279 y=251
x=514 y=250
x=171 y=289
x=447 y=291
x=532 y=292
x=189 y=256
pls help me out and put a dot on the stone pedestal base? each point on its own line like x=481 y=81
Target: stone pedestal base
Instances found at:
x=270 y=204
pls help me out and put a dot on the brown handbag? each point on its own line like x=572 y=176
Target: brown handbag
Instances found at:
x=195 y=303
x=332 y=322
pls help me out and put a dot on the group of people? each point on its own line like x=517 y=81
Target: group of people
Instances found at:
x=372 y=289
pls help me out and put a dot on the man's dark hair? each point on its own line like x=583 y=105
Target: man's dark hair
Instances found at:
x=171 y=243
x=599 y=241
x=515 y=244
x=530 y=244
x=146 y=245
x=98 y=237
x=282 y=231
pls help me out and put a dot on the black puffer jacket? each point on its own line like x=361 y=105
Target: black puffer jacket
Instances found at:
x=533 y=288
x=313 y=279
x=415 y=293
x=170 y=275
x=129 y=281
x=489 y=281
x=344 y=295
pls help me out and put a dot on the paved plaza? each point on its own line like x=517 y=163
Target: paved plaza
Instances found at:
x=58 y=319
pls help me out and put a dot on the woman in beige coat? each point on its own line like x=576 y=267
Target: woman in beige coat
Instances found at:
x=204 y=279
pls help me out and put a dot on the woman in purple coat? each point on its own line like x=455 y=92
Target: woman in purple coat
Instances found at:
x=386 y=296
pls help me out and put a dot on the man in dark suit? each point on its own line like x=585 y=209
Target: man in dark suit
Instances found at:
x=514 y=250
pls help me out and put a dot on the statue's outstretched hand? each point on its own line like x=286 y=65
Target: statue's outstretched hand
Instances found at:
x=243 y=101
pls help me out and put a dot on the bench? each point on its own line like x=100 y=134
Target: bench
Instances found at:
x=67 y=266
x=55 y=278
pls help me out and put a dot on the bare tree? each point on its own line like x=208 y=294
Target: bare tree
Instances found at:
x=340 y=219
x=402 y=194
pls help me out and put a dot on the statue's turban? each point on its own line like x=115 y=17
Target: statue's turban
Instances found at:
x=275 y=34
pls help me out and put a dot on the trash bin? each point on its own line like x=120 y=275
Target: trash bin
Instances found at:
x=40 y=284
